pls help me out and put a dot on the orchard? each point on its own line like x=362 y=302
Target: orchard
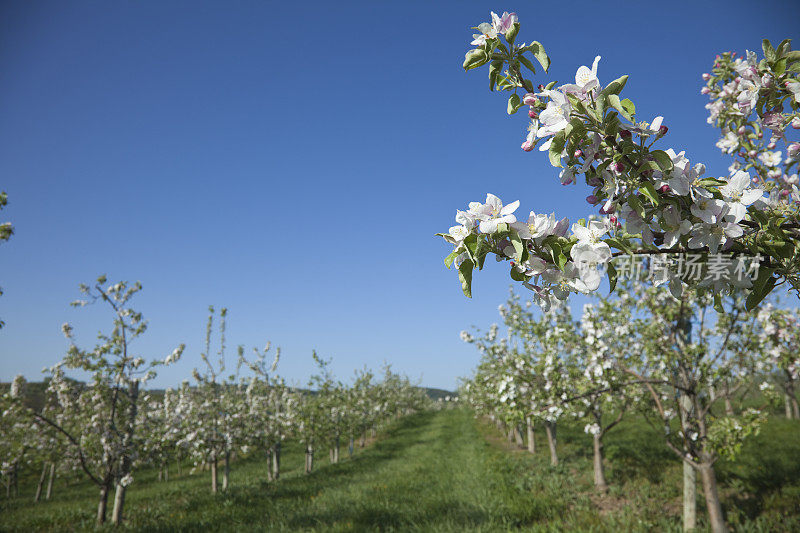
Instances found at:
x=643 y=373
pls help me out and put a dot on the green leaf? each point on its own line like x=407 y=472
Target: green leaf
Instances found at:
x=615 y=86
x=557 y=146
x=613 y=99
x=514 y=103
x=769 y=51
x=612 y=277
x=629 y=107
x=636 y=205
x=474 y=59
x=448 y=261
x=516 y=275
x=538 y=52
x=527 y=62
x=663 y=159
x=495 y=68
x=465 y=275
x=516 y=242
x=761 y=287
x=650 y=191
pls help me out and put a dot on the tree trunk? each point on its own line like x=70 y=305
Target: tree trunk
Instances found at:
x=350 y=447
x=599 y=471
x=161 y=472
x=518 y=436
x=119 y=503
x=50 y=481
x=213 y=465
x=276 y=461
x=787 y=402
x=101 y=507
x=550 y=429
x=363 y=439
x=41 y=483
x=689 y=497
x=715 y=517
x=728 y=407
x=227 y=470
x=166 y=471
x=309 y=458
x=531 y=439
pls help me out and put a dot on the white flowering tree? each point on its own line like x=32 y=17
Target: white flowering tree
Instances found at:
x=269 y=405
x=602 y=395
x=653 y=201
x=98 y=421
x=781 y=334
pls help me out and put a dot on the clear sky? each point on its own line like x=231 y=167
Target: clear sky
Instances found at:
x=292 y=161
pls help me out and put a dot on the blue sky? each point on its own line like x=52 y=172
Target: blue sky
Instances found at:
x=293 y=161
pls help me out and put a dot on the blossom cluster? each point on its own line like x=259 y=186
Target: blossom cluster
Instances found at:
x=650 y=201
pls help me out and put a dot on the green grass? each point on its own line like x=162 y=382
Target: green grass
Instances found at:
x=447 y=471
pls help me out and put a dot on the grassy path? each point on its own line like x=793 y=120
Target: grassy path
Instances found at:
x=431 y=471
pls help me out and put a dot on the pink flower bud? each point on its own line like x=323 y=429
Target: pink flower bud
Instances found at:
x=752 y=153
x=541 y=87
x=742 y=130
x=529 y=99
x=705 y=90
x=784 y=193
x=592 y=199
x=742 y=153
x=793 y=149
x=796 y=123
x=527 y=146
x=532 y=113
x=613 y=219
x=771 y=146
x=578 y=153
x=662 y=131
x=617 y=167
x=766 y=80
x=625 y=134
x=754 y=179
x=663 y=189
x=706 y=76
x=760 y=134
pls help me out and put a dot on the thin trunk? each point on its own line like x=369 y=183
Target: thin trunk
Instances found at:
x=531 y=439
x=363 y=441
x=689 y=497
x=350 y=447
x=41 y=483
x=518 y=436
x=276 y=461
x=796 y=409
x=50 y=481
x=599 y=471
x=728 y=407
x=166 y=471
x=269 y=465
x=127 y=449
x=213 y=466
x=787 y=402
x=227 y=470
x=101 y=507
x=161 y=473
x=119 y=503
x=715 y=518
x=309 y=458
x=550 y=429
x=373 y=432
